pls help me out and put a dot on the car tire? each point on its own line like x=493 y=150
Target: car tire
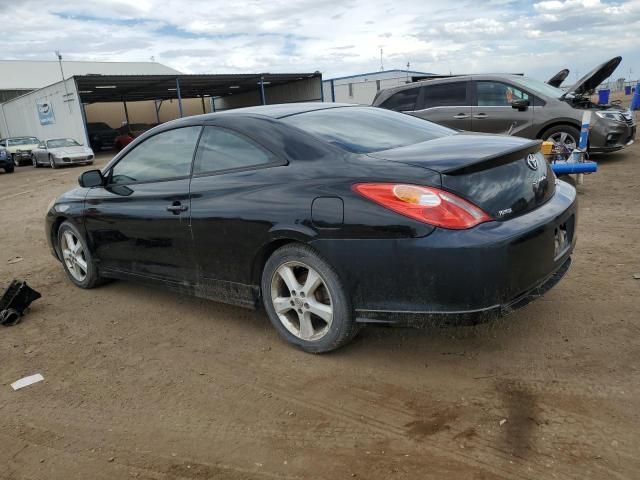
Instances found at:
x=9 y=169
x=558 y=132
x=34 y=161
x=292 y=312
x=16 y=162
x=77 y=260
x=52 y=163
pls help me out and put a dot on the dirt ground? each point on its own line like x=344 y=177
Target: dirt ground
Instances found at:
x=144 y=383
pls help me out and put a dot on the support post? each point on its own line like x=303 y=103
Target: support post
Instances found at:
x=157 y=103
x=179 y=96
x=204 y=110
x=126 y=112
x=333 y=91
x=213 y=104
x=262 y=96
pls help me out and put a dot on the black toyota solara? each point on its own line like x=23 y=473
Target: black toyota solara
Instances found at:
x=329 y=215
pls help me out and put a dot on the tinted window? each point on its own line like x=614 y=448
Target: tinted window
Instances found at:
x=497 y=94
x=445 y=95
x=163 y=156
x=220 y=149
x=402 y=101
x=367 y=129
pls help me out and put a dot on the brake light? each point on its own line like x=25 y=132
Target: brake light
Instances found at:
x=425 y=204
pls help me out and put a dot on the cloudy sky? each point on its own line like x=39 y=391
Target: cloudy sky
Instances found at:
x=336 y=37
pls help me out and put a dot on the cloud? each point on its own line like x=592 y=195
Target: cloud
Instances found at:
x=335 y=37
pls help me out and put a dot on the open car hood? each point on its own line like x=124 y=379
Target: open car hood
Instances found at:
x=558 y=78
x=595 y=77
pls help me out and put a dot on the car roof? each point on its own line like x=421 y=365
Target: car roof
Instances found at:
x=287 y=109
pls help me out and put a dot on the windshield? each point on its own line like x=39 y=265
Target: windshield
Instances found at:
x=62 y=142
x=23 y=141
x=539 y=87
x=367 y=129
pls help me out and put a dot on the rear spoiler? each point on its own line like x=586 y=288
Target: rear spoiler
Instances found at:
x=497 y=159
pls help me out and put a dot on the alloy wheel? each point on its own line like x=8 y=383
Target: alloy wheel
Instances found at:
x=73 y=254
x=16 y=162
x=33 y=160
x=563 y=139
x=52 y=163
x=302 y=301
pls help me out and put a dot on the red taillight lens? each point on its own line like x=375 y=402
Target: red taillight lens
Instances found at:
x=425 y=204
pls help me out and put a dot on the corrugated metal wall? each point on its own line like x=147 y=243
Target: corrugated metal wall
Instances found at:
x=305 y=90
x=112 y=113
x=20 y=116
x=359 y=90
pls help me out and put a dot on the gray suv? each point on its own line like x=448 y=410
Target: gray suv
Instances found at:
x=517 y=105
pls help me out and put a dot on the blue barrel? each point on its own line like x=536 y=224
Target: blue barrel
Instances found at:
x=603 y=96
x=635 y=100
x=627 y=89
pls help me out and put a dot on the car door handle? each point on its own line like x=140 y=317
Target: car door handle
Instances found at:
x=461 y=116
x=176 y=208
x=480 y=115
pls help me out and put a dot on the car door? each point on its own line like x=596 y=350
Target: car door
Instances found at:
x=493 y=112
x=446 y=103
x=229 y=175
x=138 y=223
x=40 y=153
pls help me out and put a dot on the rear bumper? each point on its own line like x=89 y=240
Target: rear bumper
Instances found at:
x=471 y=317
x=493 y=267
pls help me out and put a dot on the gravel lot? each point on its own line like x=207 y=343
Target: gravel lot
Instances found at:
x=144 y=383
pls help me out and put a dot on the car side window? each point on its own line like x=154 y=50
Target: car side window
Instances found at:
x=452 y=94
x=221 y=149
x=404 y=100
x=164 y=156
x=498 y=94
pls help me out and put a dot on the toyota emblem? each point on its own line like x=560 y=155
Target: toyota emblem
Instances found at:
x=532 y=161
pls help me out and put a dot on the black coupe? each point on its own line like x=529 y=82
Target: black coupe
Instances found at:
x=329 y=215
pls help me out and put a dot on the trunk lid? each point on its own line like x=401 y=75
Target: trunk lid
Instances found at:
x=504 y=176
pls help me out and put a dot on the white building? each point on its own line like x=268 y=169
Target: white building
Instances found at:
x=362 y=88
x=22 y=76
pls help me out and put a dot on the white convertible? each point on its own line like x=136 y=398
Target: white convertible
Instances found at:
x=61 y=151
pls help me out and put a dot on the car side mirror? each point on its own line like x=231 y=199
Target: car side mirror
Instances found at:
x=520 y=104
x=91 y=178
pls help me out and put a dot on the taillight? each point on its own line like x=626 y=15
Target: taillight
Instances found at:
x=425 y=204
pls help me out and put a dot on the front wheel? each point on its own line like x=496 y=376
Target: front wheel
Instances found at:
x=564 y=137
x=16 y=162
x=34 y=161
x=52 y=162
x=76 y=258
x=9 y=169
x=306 y=300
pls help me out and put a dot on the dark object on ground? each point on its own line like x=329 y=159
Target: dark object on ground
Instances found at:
x=15 y=301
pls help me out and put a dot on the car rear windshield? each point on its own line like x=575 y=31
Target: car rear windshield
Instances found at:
x=367 y=129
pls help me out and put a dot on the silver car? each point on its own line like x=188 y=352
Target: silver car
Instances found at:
x=61 y=151
x=517 y=105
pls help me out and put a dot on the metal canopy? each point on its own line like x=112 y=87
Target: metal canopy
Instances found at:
x=129 y=88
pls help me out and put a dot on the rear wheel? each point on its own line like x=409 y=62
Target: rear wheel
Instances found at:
x=76 y=258
x=564 y=137
x=306 y=301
